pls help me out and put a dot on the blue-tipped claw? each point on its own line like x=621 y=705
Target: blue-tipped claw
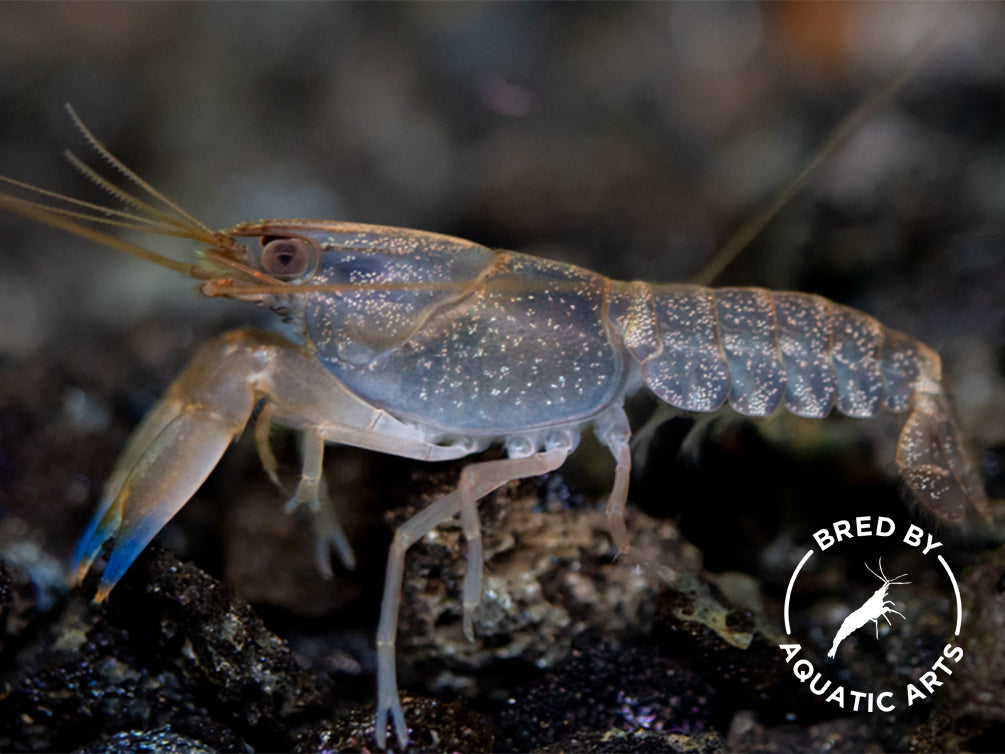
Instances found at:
x=130 y=539
x=102 y=526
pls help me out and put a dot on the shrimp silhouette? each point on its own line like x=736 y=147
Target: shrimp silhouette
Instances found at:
x=874 y=608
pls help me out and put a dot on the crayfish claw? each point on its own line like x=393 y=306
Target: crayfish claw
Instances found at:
x=103 y=526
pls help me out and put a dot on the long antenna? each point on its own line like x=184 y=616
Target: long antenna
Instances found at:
x=747 y=232
x=46 y=216
x=112 y=160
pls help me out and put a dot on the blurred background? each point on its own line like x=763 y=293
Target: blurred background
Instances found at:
x=632 y=139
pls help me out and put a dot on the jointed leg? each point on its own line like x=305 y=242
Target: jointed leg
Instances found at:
x=478 y=480
x=312 y=491
x=471 y=526
x=329 y=533
x=613 y=430
x=312 y=450
x=263 y=426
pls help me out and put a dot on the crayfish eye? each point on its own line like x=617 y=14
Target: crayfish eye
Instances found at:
x=288 y=258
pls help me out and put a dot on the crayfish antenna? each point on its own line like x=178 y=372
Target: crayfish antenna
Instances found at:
x=187 y=220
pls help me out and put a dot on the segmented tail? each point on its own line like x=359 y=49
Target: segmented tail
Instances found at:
x=935 y=466
x=700 y=347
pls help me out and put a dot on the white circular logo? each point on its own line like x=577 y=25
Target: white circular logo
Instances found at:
x=845 y=634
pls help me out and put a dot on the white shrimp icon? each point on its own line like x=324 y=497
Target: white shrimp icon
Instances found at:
x=874 y=608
